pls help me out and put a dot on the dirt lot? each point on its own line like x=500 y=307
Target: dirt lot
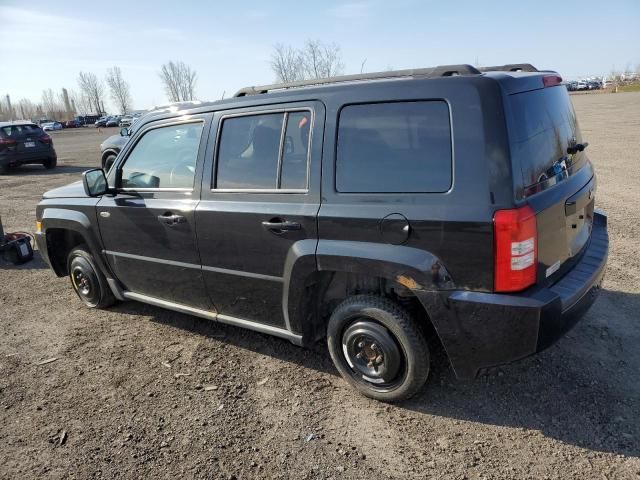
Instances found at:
x=128 y=396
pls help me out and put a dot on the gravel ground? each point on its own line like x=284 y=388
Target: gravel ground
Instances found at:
x=138 y=392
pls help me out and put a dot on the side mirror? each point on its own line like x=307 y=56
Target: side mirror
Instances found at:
x=124 y=132
x=95 y=182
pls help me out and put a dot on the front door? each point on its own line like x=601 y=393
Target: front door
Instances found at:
x=148 y=228
x=259 y=199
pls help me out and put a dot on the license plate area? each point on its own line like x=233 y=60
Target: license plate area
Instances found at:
x=579 y=218
x=29 y=144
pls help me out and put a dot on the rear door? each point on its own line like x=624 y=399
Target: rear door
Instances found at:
x=148 y=228
x=260 y=196
x=556 y=176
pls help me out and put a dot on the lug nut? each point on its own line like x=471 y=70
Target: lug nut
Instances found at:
x=379 y=359
x=361 y=345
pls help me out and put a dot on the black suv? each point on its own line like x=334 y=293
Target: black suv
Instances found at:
x=377 y=211
x=24 y=143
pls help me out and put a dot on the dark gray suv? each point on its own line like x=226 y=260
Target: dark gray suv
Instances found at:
x=23 y=143
x=374 y=211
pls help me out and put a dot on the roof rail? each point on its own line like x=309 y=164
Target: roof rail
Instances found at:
x=510 y=67
x=440 y=71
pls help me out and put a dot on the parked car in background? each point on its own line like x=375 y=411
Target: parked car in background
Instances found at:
x=51 y=126
x=25 y=143
x=126 y=120
x=101 y=122
x=112 y=122
x=72 y=124
x=88 y=119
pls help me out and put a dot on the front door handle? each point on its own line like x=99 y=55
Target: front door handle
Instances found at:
x=279 y=226
x=171 y=219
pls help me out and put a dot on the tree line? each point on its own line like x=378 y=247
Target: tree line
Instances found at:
x=178 y=80
x=313 y=60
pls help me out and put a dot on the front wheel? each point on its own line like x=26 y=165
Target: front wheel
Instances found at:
x=378 y=348
x=87 y=280
x=108 y=162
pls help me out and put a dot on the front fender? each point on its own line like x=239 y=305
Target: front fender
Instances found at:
x=75 y=221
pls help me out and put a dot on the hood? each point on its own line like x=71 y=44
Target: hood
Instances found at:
x=114 y=141
x=73 y=190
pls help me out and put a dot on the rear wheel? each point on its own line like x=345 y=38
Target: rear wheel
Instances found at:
x=3 y=169
x=378 y=348
x=50 y=163
x=87 y=280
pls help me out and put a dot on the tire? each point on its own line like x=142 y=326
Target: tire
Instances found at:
x=4 y=169
x=108 y=161
x=385 y=336
x=87 y=280
x=50 y=163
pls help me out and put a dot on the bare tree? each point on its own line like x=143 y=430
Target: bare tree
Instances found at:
x=80 y=103
x=119 y=89
x=321 y=61
x=179 y=81
x=91 y=86
x=52 y=105
x=6 y=110
x=287 y=63
x=314 y=60
x=27 y=110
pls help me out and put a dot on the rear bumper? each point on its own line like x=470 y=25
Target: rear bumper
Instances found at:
x=484 y=330
x=24 y=158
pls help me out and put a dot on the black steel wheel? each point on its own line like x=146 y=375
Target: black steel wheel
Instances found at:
x=378 y=348
x=88 y=282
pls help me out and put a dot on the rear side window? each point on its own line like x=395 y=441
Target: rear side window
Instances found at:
x=394 y=147
x=264 y=152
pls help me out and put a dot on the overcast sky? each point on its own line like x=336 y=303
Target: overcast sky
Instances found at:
x=45 y=44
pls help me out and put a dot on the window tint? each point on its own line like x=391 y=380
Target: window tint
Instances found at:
x=249 y=150
x=164 y=158
x=394 y=147
x=296 y=151
x=543 y=125
x=18 y=130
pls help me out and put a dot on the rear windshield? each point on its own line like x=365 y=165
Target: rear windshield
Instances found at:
x=19 y=130
x=542 y=126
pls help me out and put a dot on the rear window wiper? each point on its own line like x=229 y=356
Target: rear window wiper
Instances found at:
x=578 y=147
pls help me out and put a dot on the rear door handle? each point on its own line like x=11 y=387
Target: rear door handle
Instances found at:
x=171 y=219
x=281 y=226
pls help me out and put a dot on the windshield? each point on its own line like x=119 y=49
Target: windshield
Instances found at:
x=542 y=127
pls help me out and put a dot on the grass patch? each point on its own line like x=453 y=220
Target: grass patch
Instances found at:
x=630 y=88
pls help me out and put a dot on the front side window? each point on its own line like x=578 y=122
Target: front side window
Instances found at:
x=400 y=147
x=264 y=152
x=164 y=157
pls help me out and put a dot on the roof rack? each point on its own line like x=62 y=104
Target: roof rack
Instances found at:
x=439 y=71
x=510 y=67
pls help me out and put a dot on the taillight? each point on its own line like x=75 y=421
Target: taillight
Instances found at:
x=551 y=80
x=515 y=249
x=44 y=138
x=7 y=141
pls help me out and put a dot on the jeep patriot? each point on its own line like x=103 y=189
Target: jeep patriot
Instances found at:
x=381 y=212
